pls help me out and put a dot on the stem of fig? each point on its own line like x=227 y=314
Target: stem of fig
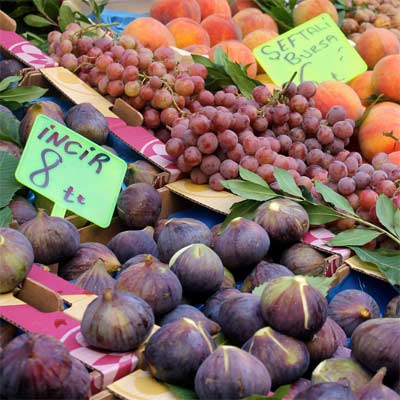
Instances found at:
x=365 y=313
x=107 y=295
x=148 y=261
x=2 y=240
x=41 y=212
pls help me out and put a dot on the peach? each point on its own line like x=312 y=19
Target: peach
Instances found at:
x=332 y=93
x=220 y=28
x=239 y=5
x=395 y=157
x=386 y=77
x=362 y=85
x=257 y=37
x=167 y=10
x=383 y=117
x=376 y=43
x=150 y=32
x=198 y=49
x=250 y=21
x=309 y=9
x=209 y=7
x=187 y=32
x=239 y=53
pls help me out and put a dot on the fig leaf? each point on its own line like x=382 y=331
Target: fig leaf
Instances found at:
x=8 y=184
x=330 y=196
x=5 y=217
x=385 y=210
x=249 y=176
x=287 y=183
x=245 y=209
x=182 y=393
x=249 y=190
x=320 y=214
x=355 y=237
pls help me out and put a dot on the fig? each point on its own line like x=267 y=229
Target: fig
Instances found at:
x=86 y=256
x=375 y=389
x=174 y=352
x=117 y=321
x=240 y=317
x=96 y=279
x=213 y=304
x=85 y=119
x=328 y=390
x=139 y=205
x=199 y=270
x=110 y=149
x=48 y=108
x=10 y=148
x=374 y=344
x=326 y=341
x=297 y=387
x=393 y=308
x=264 y=272
x=228 y=281
x=53 y=239
x=302 y=259
x=136 y=260
x=9 y=68
x=4 y=109
x=38 y=366
x=285 y=358
x=231 y=373
x=285 y=220
x=16 y=258
x=342 y=352
x=22 y=210
x=339 y=370
x=154 y=282
x=352 y=307
x=128 y=244
x=179 y=233
x=215 y=231
x=293 y=307
x=141 y=172
x=159 y=226
x=242 y=244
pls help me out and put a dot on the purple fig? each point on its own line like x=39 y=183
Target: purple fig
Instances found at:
x=86 y=256
x=285 y=358
x=285 y=220
x=292 y=306
x=154 y=282
x=213 y=304
x=38 y=366
x=117 y=321
x=9 y=68
x=110 y=149
x=22 y=210
x=297 y=387
x=136 y=260
x=264 y=272
x=4 y=109
x=179 y=233
x=199 y=270
x=159 y=226
x=16 y=258
x=242 y=244
x=174 y=352
x=10 y=148
x=375 y=389
x=229 y=280
x=302 y=259
x=342 y=352
x=128 y=244
x=329 y=390
x=393 y=308
x=338 y=370
x=231 y=373
x=96 y=279
x=188 y=311
x=375 y=344
x=139 y=205
x=240 y=317
x=215 y=231
x=352 y=307
x=141 y=172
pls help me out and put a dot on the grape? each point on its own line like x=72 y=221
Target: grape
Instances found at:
x=396 y=200
x=53 y=36
x=354 y=200
x=266 y=171
x=102 y=62
x=209 y=112
x=304 y=181
x=298 y=150
x=193 y=106
x=192 y=156
x=250 y=163
x=231 y=89
x=175 y=147
x=197 y=69
x=377 y=177
x=219 y=97
x=250 y=144
x=229 y=100
x=307 y=89
x=297 y=135
x=182 y=164
x=145 y=57
x=189 y=138
x=301 y=166
x=178 y=130
x=285 y=143
x=295 y=119
x=395 y=175
x=163 y=134
x=346 y=186
x=343 y=224
x=114 y=71
x=179 y=100
x=207 y=143
x=313 y=112
x=84 y=44
x=342 y=130
x=357 y=156
x=132 y=89
x=336 y=114
x=352 y=165
x=156 y=68
x=155 y=82
x=281 y=162
x=236 y=153
x=312 y=143
x=240 y=122
x=102 y=84
x=298 y=103
x=137 y=102
x=184 y=86
x=281 y=129
x=267 y=133
x=337 y=170
x=291 y=89
x=265 y=155
x=69 y=61
x=151 y=118
x=332 y=185
x=215 y=182
x=162 y=99
x=229 y=169
x=115 y=88
x=103 y=43
x=198 y=84
x=327 y=160
x=146 y=93
x=210 y=164
x=261 y=94
x=168 y=116
x=263 y=142
x=310 y=125
x=280 y=114
x=250 y=111
x=206 y=98
x=274 y=144
x=227 y=139
x=65 y=46
x=128 y=41
x=335 y=147
x=260 y=124
x=389 y=168
x=367 y=168
x=325 y=135
x=363 y=213
x=131 y=57
x=368 y=198
x=222 y=121
x=362 y=179
x=94 y=53
x=386 y=187
x=117 y=52
x=315 y=157
x=198 y=177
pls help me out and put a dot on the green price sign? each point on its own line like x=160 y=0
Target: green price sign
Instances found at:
x=317 y=50
x=72 y=171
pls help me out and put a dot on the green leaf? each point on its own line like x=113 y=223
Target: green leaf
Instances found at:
x=9 y=128
x=202 y=60
x=5 y=217
x=181 y=393
x=249 y=190
x=279 y=394
x=20 y=11
x=321 y=283
x=286 y=182
x=330 y=196
x=220 y=339
x=354 y=237
x=307 y=195
x=6 y=82
x=219 y=56
x=388 y=265
x=11 y=105
x=65 y=17
x=258 y=290
x=385 y=210
x=8 y=183
x=51 y=9
x=22 y=94
x=245 y=209
x=36 y=21
x=320 y=214
x=396 y=220
x=249 y=176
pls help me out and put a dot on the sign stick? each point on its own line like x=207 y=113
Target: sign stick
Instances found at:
x=58 y=211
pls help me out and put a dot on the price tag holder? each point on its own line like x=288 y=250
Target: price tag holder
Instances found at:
x=317 y=50
x=72 y=171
